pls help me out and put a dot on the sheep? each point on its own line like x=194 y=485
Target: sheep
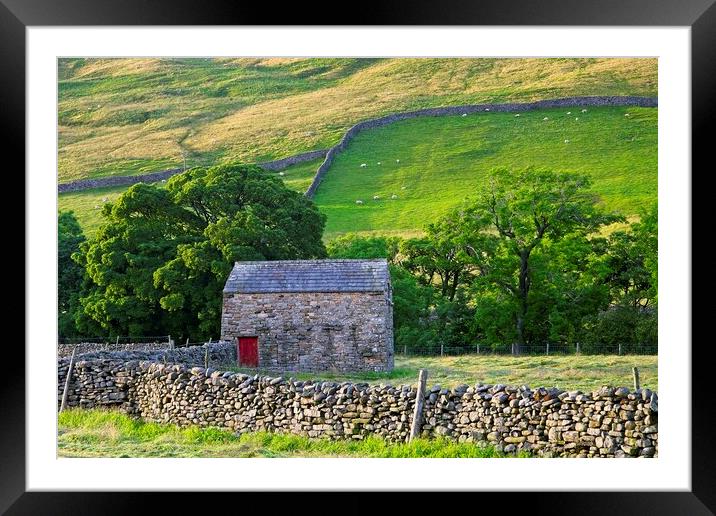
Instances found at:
x=164 y=180
x=584 y=111
x=627 y=114
x=376 y=197
x=576 y=118
x=403 y=187
x=358 y=201
x=393 y=196
x=566 y=141
x=105 y=199
x=397 y=161
x=464 y=114
x=379 y=163
x=487 y=109
x=545 y=118
x=96 y=207
x=363 y=165
x=569 y=112
x=517 y=114
x=281 y=174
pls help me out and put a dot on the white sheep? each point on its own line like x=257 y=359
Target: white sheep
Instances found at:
x=584 y=111
x=627 y=114
x=281 y=174
x=569 y=112
x=363 y=165
x=164 y=180
x=379 y=163
x=403 y=187
x=545 y=118
x=566 y=141
x=359 y=201
x=464 y=114
x=105 y=199
x=376 y=197
x=393 y=196
x=576 y=118
x=96 y=207
x=517 y=114
x=487 y=109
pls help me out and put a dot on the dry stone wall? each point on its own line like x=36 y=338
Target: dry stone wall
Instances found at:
x=280 y=164
x=546 y=422
x=102 y=182
x=468 y=109
x=65 y=350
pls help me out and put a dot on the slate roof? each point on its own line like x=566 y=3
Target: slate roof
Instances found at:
x=309 y=276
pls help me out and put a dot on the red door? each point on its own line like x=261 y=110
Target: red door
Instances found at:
x=248 y=351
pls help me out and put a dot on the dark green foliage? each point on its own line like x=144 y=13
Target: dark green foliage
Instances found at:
x=355 y=246
x=159 y=263
x=69 y=273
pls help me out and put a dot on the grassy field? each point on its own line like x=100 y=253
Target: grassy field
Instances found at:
x=583 y=372
x=87 y=204
x=443 y=160
x=98 y=433
x=127 y=116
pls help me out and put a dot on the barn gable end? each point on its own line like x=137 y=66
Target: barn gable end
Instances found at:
x=312 y=315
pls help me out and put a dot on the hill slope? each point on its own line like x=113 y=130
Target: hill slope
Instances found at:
x=124 y=116
x=443 y=160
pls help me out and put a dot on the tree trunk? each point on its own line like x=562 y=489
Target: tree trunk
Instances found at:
x=524 y=291
x=453 y=288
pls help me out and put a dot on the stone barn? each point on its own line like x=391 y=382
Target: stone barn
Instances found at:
x=310 y=315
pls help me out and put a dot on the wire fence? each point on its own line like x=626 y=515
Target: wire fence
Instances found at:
x=153 y=342
x=554 y=349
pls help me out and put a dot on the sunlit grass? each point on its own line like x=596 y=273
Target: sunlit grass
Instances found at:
x=583 y=372
x=126 y=116
x=444 y=160
x=105 y=433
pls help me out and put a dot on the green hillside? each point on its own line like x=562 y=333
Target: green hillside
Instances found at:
x=128 y=116
x=445 y=159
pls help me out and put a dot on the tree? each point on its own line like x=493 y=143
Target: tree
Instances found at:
x=159 y=262
x=632 y=261
x=69 y=273
x=356 y=246
x=440 y=255
x=517 y=212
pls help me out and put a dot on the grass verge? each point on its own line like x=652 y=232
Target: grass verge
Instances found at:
x=105 y=433
x=583 y=372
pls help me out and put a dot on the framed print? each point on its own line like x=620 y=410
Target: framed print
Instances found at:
x=355 y=115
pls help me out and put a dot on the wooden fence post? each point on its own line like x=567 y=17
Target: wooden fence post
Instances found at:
x=620 y=348
x=116 y=342
x=577 y=348
x=442 y=350
x=548 y=348
x=63 y=405
x=405 y=349
x=635 y=373
x=478 y=348
x=419 y=400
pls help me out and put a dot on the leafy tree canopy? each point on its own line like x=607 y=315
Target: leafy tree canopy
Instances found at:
x=159 y=262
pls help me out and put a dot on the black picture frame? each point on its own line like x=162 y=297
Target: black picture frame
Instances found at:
x=699 y=15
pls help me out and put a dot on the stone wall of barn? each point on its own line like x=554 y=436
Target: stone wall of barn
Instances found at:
x=314 y=331
x=608 y=422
